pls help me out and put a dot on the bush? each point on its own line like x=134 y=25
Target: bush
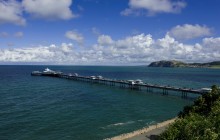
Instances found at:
x=201 y=121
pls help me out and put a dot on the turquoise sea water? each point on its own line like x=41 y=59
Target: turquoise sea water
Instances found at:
x=33 y=107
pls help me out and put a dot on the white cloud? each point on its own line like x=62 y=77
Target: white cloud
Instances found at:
x=52 y=53
x=11 y=12
x=19 y=34
x=4 y=34
x=105 y=40
x=74 y=35
x=49 y=9
x=66 y=47
x=212 y=45
x=95 y=31
x=137 y=7
x=137 y=49
x=212 y=42
x=143 y=49
x=188 y=31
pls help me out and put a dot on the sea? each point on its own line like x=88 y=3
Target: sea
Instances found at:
x=49 y=108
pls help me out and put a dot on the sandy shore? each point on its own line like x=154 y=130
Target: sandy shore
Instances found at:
x=143 y=130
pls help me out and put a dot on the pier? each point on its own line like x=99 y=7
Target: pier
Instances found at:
x=127 y=84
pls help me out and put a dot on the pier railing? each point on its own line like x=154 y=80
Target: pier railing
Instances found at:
x=129 y=84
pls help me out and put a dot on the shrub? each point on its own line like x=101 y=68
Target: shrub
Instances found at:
x=201 y=121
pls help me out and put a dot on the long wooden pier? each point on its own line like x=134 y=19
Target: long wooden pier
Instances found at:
x=129 y=84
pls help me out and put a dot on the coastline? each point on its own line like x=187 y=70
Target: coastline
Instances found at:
x=143 y=130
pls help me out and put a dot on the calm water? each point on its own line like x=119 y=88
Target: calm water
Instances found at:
x=53 y=108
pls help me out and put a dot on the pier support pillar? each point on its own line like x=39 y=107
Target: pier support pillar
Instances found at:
x=149 y=89
x=165 y=92
x=184 y=94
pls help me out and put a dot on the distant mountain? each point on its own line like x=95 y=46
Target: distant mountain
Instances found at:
x=173 y=63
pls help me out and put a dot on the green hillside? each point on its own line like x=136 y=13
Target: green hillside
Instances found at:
x=173 y=63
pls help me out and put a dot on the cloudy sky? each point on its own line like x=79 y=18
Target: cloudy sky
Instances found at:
x=108 y=32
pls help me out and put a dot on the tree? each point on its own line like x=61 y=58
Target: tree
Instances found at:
x=198 y=121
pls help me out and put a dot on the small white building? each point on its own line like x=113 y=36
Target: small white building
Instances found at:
x=131 y=82
x=93 y=77
x=138 y=81
x=99 y=77
x=47 y=70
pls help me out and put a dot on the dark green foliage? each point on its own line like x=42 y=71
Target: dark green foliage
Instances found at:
x=203 y=104
x=214 y=63
x=164 y=63
x=201 y=121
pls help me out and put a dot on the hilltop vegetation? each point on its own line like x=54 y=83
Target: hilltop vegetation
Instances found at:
x=201 y=121
x=173 y=63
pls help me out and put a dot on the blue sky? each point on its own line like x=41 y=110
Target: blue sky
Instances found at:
x=108 y=32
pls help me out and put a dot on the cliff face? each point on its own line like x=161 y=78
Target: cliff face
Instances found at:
x=174 y=63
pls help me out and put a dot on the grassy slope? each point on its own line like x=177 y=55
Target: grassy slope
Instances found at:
x=215 y=66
